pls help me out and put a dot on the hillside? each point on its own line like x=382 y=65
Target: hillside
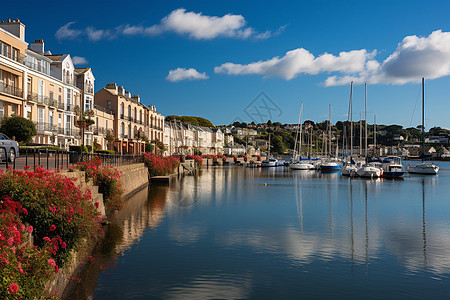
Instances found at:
x=196 y=121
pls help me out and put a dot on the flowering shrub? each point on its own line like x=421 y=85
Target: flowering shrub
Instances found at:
x=223 y=157
x=198 y=159
x=61 y=215
x=24 y=269
x=234 y=158
x=258 y=157
x=245 y=157
x=107 y=179
x=160 y=165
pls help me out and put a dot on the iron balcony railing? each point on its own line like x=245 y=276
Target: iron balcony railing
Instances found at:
x=46 y=127
x=13 y=55
x=60 y=105
x=100 y=130
x=37 y=67
x=106 y=110
x=70 y=107
x=11 y=90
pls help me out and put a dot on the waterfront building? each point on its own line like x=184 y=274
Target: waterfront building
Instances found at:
x=132 y=119
x=43 y=87
x=104 y=125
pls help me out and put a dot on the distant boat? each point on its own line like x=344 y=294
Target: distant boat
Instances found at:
x=392 y=167
x=301 y=164
x=271 y=162
x=423 y=168
x=330 y=164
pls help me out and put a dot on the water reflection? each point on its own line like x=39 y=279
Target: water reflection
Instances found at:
x=248 y=233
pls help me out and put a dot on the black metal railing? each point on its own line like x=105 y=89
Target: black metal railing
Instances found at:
x=106 y=110
x=11 y=90
x=13 y=55
x=41 y=127
x=50 y=159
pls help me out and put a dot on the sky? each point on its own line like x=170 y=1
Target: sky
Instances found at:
x=258 y=60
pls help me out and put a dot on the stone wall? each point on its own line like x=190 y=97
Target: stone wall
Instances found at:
x=133 y=178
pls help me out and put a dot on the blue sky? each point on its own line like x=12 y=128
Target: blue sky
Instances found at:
x=221 y=56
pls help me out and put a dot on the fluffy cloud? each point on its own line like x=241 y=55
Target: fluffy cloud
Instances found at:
x=65 y=32
x=193 y=25
x=78 y=60
x=414 y=57
x=185 y=74
x=301 y=61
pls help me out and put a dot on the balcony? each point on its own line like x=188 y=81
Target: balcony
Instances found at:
x=70 y=107
x=46 y=127
x=37 y=67
x=121 y=116
x=99 y=130
x=101 y=108
x=11 y=90
x=60 y=105
x=14 y=56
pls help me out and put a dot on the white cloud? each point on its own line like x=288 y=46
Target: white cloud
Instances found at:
x=414 y=57
x=78 y=60
x=65 y=32
x=185 y=74
x=193 y=25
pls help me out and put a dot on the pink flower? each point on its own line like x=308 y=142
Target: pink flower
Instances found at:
x=46 y=239
x=51 y=262
x=25 y=211
x=52 y=228
x=30 y=229
x=63 y=245
x=13 y=288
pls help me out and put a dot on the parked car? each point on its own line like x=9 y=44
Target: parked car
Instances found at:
x=11 y=148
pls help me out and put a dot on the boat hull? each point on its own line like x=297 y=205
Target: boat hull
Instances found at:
x=423 y=169
x=301 y=166
x=393 y=174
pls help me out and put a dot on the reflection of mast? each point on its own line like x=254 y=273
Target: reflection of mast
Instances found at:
x=298 y=194
x=329 y=200
x=424 y=232
x=367 y=232
x=351 y=223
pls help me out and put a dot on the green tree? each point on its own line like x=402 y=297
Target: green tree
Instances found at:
x=20 y=128
x=278 y=144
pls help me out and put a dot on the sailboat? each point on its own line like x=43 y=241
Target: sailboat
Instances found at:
x=300 y=165
x=372 y=169
x=330 y=165
x=270 y=161
x=350 y=167
x=423 y=168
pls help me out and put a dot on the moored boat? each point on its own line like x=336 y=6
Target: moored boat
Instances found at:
x=370 y=170
x=392 y=167
x=271 y=162
x=423 y=168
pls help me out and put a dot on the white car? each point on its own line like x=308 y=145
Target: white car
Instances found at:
x=11 y=148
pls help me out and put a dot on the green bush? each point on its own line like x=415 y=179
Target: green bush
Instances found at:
x=20 y=128
x=78 y=149
x=149 y=148
x=106 y=151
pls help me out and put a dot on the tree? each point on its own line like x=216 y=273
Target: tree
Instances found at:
x=20 y=128
x=278 y=144
x=269 y=123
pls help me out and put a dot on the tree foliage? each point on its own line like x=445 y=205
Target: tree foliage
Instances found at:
x=196 y=121
x=22 y=129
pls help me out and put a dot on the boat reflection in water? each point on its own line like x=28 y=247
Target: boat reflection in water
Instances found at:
x=277 y=233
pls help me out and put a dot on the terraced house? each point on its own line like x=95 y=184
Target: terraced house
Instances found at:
x=48 y=90
x=132 y=119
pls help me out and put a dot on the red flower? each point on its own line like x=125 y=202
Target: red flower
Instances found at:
x=51 y=262
x=13 y=288
x=63 y=245
x=96 y=204
x=30 y=229
x=46 y=239
x=52 y=228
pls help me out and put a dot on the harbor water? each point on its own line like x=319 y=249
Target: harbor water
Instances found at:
x=273 y=233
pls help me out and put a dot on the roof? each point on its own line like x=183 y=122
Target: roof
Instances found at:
x=81 y=70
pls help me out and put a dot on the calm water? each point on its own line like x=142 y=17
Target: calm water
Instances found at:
x=225 y=234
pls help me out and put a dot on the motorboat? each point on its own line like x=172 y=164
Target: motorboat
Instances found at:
x=392 y=167
x=271 y=162
x=370 y=170
x=423 y=168
x=302 y=165
x=330 y=165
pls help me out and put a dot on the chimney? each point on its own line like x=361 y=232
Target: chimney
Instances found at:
x=37 y=46
x=111 y=86
x=121 y=90
x=127 y=94
x=14 y=27
x=136 y=98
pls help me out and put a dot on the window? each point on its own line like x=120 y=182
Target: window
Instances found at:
x=50 y=117
x=29 y=85
x=122 y=129
x=129 y=111
x=41 y=112
x=121 y=110
x=41 y=88
x=106 y=124
x=13 y=109
x=88 y=104
x=2 y=109
x=109 y=104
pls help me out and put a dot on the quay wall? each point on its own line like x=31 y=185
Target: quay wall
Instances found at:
x=133 y=178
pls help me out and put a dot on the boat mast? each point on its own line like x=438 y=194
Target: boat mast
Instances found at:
x=365 y=135
x=360 y=135
x=296 y=134
x=375 y=135
x=301 y=127
x=351 y=120
x=329 y=131
x=268 y=157
x=423 y=119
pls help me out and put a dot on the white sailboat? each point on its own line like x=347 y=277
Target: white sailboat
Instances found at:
x=368 y=170
x=350 y=167
x=423 y=168
x=300 y=165
x=270 y=161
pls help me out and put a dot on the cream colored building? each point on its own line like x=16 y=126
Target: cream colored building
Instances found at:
x=132 y=119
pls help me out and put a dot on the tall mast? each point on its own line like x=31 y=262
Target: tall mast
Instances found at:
x=301 y=127
x=269 y=147
x=365 y=134
x=351 y=120
x=296 y=134
x=375 y=134
x=360 y=135
x=329 y=132
x=423 y=119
